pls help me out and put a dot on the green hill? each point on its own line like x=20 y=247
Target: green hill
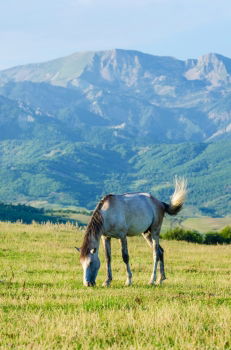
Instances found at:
x=79 y=174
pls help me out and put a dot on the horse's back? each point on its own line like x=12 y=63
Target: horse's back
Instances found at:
x=129 y=213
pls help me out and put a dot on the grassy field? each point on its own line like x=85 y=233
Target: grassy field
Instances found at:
x=205 y=223
x=43 y=304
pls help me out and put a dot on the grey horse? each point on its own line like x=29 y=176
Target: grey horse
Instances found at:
x=122 y=216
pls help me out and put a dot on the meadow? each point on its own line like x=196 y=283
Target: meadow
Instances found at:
x=43 y=304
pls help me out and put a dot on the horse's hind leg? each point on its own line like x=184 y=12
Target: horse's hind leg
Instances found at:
x=124 y=247
x=107 y=248
x=162 y=272
x=148 y=237
x=158 y=255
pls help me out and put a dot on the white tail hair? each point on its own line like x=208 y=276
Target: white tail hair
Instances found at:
x=178 y=197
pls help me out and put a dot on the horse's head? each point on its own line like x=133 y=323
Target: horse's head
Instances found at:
x=91 y=264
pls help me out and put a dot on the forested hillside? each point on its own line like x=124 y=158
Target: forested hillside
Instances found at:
x=79 y=173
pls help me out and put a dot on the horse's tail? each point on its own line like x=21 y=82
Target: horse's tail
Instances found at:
x=178 y=197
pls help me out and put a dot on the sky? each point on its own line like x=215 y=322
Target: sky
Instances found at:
x=37 y=31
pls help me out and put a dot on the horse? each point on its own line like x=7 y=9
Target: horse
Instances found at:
x=126 y=215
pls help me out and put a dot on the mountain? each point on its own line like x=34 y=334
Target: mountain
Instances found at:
x=213 y=68
x=129 y=94
x=76 y=127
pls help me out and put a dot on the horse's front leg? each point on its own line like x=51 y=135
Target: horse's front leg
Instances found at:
x=107 y=249
x=124 y=247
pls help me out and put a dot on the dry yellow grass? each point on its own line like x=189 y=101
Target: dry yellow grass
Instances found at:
x=43 y=304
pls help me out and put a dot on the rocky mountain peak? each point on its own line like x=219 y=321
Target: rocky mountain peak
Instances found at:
x=211 y=67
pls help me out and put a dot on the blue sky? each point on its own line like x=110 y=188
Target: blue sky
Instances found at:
x=35 y=31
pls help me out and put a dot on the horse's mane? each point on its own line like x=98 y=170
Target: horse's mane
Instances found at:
x=94 y=226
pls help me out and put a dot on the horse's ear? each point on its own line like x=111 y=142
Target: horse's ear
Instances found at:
x=92 y=251
x=78 y=249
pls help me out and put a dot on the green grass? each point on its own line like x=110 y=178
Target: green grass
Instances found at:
x=43 y=304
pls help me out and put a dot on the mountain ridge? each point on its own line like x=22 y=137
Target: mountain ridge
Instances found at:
x=79 y=60
x=159 y=81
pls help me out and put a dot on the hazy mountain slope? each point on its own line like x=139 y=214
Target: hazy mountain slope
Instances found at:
x=43 y=96
x=20 y=122
x=57 y=72
x=119 y=118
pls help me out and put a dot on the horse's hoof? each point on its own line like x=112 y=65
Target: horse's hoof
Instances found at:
x=106 y=284
x=89 y=284
x=128 y=283
x=160 y=281
x=151 y=283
